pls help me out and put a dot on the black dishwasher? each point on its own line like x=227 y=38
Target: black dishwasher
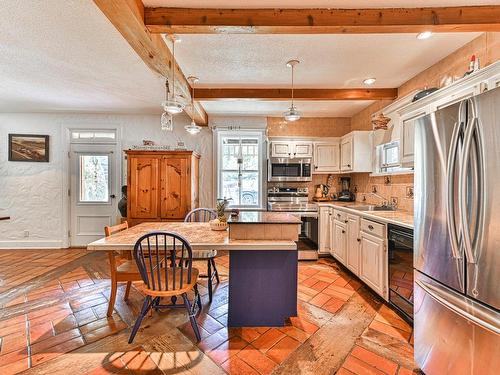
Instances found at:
x=400 y=246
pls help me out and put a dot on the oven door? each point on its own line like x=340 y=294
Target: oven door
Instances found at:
x=289 y=170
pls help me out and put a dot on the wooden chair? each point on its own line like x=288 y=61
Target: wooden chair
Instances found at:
x=203 y=215
x=126 y=272
x=165 y=262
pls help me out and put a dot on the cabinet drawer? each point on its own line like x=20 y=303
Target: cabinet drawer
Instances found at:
x=339 y=215
x=373 y=228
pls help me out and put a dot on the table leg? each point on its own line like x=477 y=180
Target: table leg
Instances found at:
x=262 y=287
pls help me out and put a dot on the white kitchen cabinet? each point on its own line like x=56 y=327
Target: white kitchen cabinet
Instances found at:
x=291 y=149
x=407 y=142
x=327 y=157
x=339 y=247
x=373 y=265
x=353 y=243
x=356 y=152
x=324 y=235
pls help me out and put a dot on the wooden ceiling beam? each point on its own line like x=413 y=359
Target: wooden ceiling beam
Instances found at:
x=128 y=18
x=271 y=94
x=322 y=21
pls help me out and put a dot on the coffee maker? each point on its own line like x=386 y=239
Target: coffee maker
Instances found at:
x=345 y=194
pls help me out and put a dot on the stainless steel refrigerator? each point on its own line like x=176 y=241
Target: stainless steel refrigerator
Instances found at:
x=457 y=238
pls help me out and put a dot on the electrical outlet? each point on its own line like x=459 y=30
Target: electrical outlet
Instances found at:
x=26 y=233
x=387 y=180
x=374 y=189
x=409 y=192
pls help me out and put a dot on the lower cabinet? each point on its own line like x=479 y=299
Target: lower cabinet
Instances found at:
x=339 y=247
x=353 y=243
x=372 y=263
x=357 y=243
x=325 y=229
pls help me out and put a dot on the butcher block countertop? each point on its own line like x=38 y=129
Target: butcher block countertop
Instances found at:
x=199 y=235
x=264 y=217
x=398 y=217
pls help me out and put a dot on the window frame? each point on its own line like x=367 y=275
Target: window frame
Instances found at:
x=261 y=141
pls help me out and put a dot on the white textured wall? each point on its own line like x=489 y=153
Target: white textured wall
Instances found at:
x=32 y=193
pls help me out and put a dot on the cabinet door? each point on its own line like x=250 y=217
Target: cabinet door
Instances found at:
x=346 y=148
x=340 y=241
x=281 y=149
x=302 y=150
x=324 y=230
x=372 y=262
x=326 y=157
x=353 y=244
x=143 y=182
x=408 y=139
x=175 y=188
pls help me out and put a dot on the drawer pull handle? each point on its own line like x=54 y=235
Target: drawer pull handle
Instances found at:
x=358 y=239
x=370 y=227
x=343 y=231
x=346 y=221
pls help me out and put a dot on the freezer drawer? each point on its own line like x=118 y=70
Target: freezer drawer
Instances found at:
x=453 y=334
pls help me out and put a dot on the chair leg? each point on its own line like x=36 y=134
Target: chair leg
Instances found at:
x=215 y=270
x=144 y=310
x=210 y=276
x=112 y=297
x=192 y=318
x=127 y=291
x=197 y=296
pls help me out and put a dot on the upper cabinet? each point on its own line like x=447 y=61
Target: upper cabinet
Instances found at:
x=291 y=149
x=356 y=152
x=327 y=157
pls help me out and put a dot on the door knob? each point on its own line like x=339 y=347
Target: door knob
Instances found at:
x=112 y=196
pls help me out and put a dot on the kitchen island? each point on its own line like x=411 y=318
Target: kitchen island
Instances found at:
x=262 y=272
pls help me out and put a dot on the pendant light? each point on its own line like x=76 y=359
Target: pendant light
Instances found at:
x=192 y=128
x=167 y=123
x=172 y=105
x=292 y=114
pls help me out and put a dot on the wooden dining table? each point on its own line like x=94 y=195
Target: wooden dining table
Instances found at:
x=262 y=273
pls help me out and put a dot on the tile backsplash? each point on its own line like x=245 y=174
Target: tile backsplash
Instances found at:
x=399 y=187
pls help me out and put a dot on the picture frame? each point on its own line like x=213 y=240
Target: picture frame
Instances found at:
x=29 y=148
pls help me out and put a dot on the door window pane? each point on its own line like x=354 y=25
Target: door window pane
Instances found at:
x=94 y=178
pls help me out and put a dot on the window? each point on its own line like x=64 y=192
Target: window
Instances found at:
x=240 y=168
x=389 y=156
x=94 y=178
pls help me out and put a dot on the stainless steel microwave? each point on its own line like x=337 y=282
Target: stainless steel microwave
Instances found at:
x=288 y=169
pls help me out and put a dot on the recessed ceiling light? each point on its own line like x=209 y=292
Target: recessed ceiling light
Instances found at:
x=424 y=35
x=369 y=81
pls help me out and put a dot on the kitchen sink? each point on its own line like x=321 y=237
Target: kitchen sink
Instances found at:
x=372 y=207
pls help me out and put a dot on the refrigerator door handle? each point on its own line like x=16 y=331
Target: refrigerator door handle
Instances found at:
x=450 y=194
x=470 y=245
x=458 y=304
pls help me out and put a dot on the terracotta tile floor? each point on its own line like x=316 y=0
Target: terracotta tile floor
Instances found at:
x=61 y=308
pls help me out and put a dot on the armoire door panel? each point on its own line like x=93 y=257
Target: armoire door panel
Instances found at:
x=174 y=188
x=143 y=193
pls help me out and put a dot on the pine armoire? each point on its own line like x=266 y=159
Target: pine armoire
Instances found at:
x=161 y=185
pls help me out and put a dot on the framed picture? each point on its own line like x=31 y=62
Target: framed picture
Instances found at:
x=28 y=147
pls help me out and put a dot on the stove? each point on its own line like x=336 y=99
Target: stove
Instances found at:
x=296 y=201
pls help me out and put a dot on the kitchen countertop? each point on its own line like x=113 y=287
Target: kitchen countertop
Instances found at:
x=199 y=235
x=398 y=217
x=263 y=217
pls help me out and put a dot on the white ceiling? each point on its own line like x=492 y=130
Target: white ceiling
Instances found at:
x=66 y=56
x=300 y=4
x=340 y=108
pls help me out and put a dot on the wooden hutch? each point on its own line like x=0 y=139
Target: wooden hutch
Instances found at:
x=161 y=185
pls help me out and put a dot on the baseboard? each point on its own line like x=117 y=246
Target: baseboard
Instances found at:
x=32 y=244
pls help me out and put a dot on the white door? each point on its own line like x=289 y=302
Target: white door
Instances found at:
x=326 y=157
x=92 y=191
x=353 y=241
x=340 y=241
x=281 y=149
x=324 y=230
x=372 y=262
x=303 y=150
x=346 y=154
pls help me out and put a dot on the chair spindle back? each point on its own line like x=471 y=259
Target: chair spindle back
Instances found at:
x=200 y=215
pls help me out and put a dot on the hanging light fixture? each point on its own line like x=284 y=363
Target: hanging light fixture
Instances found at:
x=167 y=123
x=192 y=128
x=171 y=105
x=292 y=114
